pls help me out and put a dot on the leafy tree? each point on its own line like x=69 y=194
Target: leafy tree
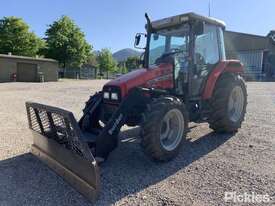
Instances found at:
x=106 y=61
x=92 y=62
x=16 y=38
x=132 y=63
x=66 y=43
x=122 y=68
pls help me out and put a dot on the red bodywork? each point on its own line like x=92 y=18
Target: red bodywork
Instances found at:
x=161 y=77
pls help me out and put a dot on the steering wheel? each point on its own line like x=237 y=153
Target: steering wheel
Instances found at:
x=167 y=57
x=164 y=58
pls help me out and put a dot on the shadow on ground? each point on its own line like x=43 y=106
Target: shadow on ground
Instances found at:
x=26 y=181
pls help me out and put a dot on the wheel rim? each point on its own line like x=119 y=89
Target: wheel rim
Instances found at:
x=171 y=130
x=235 y=104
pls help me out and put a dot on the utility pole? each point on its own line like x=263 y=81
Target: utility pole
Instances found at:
x=209 y=8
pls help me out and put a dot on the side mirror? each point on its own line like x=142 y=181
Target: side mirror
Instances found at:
x=137 y=40
x=198 y=28
x=140 y=39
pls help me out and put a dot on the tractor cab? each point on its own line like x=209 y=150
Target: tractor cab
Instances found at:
x=193 y=44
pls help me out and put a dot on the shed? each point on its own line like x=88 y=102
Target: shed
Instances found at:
x=27 y=69
x=254 y=51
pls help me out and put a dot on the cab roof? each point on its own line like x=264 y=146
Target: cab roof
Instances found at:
x=182 y=18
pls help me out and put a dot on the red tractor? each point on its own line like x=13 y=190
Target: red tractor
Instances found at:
x=185 y=77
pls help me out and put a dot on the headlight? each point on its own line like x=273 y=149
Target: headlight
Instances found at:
x=114 y=96
x=106 y=95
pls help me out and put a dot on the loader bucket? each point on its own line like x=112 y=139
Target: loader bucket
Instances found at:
x=59 y=143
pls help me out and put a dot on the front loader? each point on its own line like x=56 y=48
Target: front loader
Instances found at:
x=185 y=78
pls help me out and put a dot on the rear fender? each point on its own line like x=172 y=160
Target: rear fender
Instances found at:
x=228 y=66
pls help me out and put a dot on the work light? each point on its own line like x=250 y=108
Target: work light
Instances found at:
x=106 y=95
x=114 y=96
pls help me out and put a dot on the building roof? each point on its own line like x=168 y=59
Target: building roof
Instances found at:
x=26 y=58
x=174 y=20
x=237 y=41
x=246 y=34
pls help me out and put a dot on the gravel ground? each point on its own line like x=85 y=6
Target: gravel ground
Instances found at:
x=206 y=168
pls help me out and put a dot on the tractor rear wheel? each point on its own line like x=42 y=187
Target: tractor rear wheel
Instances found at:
x=164 y=128
x=228 y=104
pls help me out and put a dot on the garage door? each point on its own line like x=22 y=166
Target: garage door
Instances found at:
x=26 y=72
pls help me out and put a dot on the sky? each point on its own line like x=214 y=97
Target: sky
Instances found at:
x=113 y=23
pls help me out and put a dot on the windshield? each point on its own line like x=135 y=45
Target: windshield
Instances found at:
x=168 y=41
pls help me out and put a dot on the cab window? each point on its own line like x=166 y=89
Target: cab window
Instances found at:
x=206 y=46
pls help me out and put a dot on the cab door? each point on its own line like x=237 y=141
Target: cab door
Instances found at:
x=207 y=53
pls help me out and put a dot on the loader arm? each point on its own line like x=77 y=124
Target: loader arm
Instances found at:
x=107 y=140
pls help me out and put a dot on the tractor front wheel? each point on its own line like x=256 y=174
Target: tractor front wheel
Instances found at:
x=228 y=104
x=164 y=128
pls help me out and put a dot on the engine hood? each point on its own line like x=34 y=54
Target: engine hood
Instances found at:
x=139 y=77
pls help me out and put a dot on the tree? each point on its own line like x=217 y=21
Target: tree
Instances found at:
x=66 y=43
x=122 y=68
x=92 y=62
x=16 y=38
x=106 y=62
x=132 y=63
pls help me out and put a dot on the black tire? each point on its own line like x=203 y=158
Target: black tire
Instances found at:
x=220 y=120
x=151 y=128
x=90 y=120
